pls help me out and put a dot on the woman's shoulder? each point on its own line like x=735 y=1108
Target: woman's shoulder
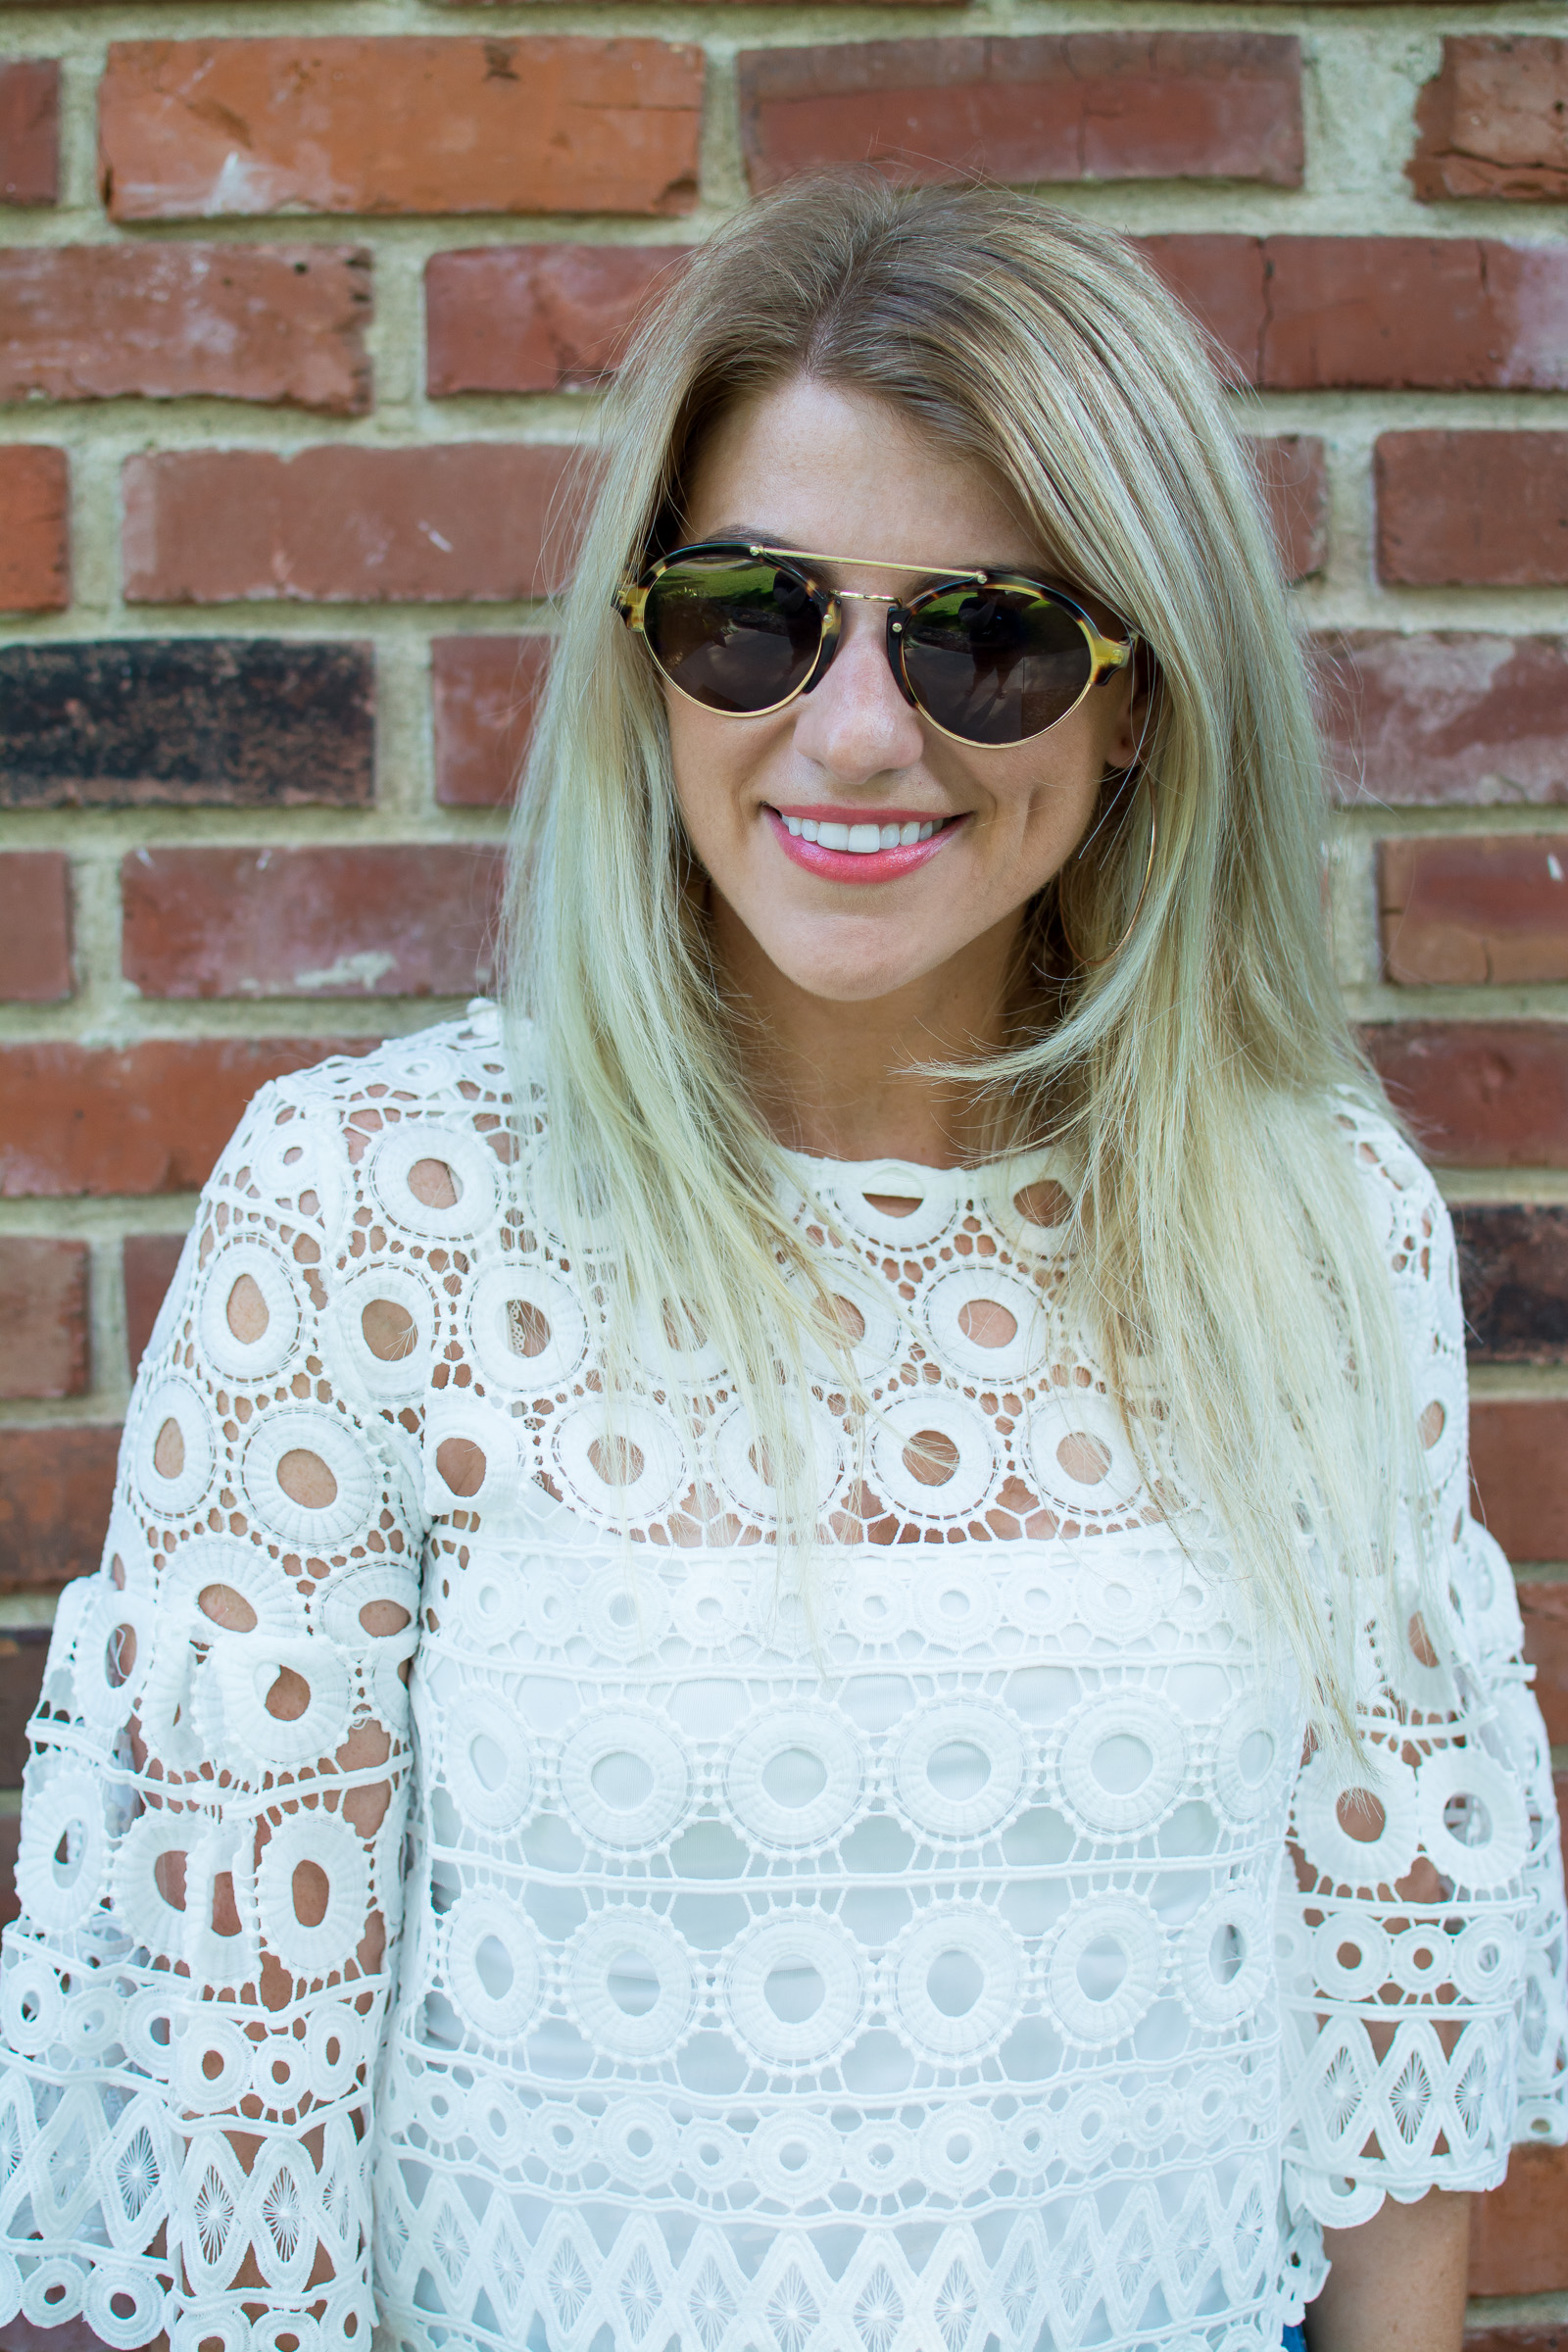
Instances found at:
x=456 y=1069
x=1414 y=1234
x=1406 y=1207
x=467 y=1075
x=446 y=1113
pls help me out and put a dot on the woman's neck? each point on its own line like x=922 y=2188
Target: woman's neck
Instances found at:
x=842 y=1081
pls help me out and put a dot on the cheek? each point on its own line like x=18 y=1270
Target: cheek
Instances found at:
x=1041 y=816
x=717 y=765
x=700 y=759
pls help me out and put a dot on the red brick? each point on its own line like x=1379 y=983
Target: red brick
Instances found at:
x=29 y=131
x=1519 y=1459
x=1481 y=1093
x=23 y=1657
x=485 y=690
x=1378 y=314
x=1513 y=1275
x=475 y=520
x=1545 y=1608
x=56 y=1487
x=1435 y=314
x=1493 y=120
x=536 y=318
x=551 y=123
x=35 y=528
x=1220 y=279
x=144 y=1118
x=1477 y=509
x=1047 y=107
x=1454 y=717
x=1518 y=2245
x=416 y=920
x=1295 y=487
x=225 y=722
x=43 y=1318
x=10 y=1844
x=35 y=926
x=149 y=1260
x=1458 y=910
x=262 y=322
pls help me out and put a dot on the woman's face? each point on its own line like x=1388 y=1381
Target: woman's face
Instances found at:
x=841 y=472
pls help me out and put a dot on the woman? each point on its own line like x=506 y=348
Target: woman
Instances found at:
x=902 y=1429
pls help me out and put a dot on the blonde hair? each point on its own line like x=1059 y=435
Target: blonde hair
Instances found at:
x=1223 y=1248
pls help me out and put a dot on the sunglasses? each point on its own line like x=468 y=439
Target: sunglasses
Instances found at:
x=987 y=657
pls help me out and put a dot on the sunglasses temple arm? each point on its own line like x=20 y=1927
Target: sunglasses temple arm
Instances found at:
x=1112 y=654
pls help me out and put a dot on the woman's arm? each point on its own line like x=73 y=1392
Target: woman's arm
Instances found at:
x=210 y=1867
x=1421 y=1924
x=1397 y=2284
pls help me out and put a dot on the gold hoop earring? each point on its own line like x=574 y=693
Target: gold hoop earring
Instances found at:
x=1092 y=963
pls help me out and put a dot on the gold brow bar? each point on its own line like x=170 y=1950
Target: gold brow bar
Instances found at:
x=940 y=571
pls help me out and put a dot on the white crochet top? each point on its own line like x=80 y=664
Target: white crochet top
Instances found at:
x=445 y=1918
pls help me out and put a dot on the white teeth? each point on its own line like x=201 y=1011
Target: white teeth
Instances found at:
x=859 y=840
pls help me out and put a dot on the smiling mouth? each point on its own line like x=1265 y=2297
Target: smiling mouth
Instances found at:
x=862 y=840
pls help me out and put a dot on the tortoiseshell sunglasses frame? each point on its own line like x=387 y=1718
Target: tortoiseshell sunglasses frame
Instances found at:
x=1107 y=655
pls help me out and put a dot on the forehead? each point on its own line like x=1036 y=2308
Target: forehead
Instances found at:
x=834 y=466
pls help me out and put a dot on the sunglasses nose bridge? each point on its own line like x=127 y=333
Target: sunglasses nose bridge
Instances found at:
x=897 y=632
x=856 y=727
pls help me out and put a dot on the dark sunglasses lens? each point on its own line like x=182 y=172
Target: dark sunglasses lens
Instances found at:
x=732 y=630
x=995 y=665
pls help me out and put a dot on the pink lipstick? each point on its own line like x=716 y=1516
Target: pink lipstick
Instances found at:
x=853 y=845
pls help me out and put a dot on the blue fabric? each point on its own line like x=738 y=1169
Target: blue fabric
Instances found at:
x=1292 y=2341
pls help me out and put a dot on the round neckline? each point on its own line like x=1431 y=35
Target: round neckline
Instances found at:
x=902 y=1178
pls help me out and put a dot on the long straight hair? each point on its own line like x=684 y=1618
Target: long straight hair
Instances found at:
x=1223 y=1251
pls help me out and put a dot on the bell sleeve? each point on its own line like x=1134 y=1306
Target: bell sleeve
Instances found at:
x=1421 y=1929
x=192 y=1999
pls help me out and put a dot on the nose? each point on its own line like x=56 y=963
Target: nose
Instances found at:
x=856 y=724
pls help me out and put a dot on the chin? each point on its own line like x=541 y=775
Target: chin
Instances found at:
x=852 y=984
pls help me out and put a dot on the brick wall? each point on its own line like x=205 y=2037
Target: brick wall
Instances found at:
x=302 y=314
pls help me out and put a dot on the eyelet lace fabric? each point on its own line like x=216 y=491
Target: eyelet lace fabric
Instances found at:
x=464 y=1901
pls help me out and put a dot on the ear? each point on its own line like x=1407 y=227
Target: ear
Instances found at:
x=1134 y=689
x=1122 y=748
